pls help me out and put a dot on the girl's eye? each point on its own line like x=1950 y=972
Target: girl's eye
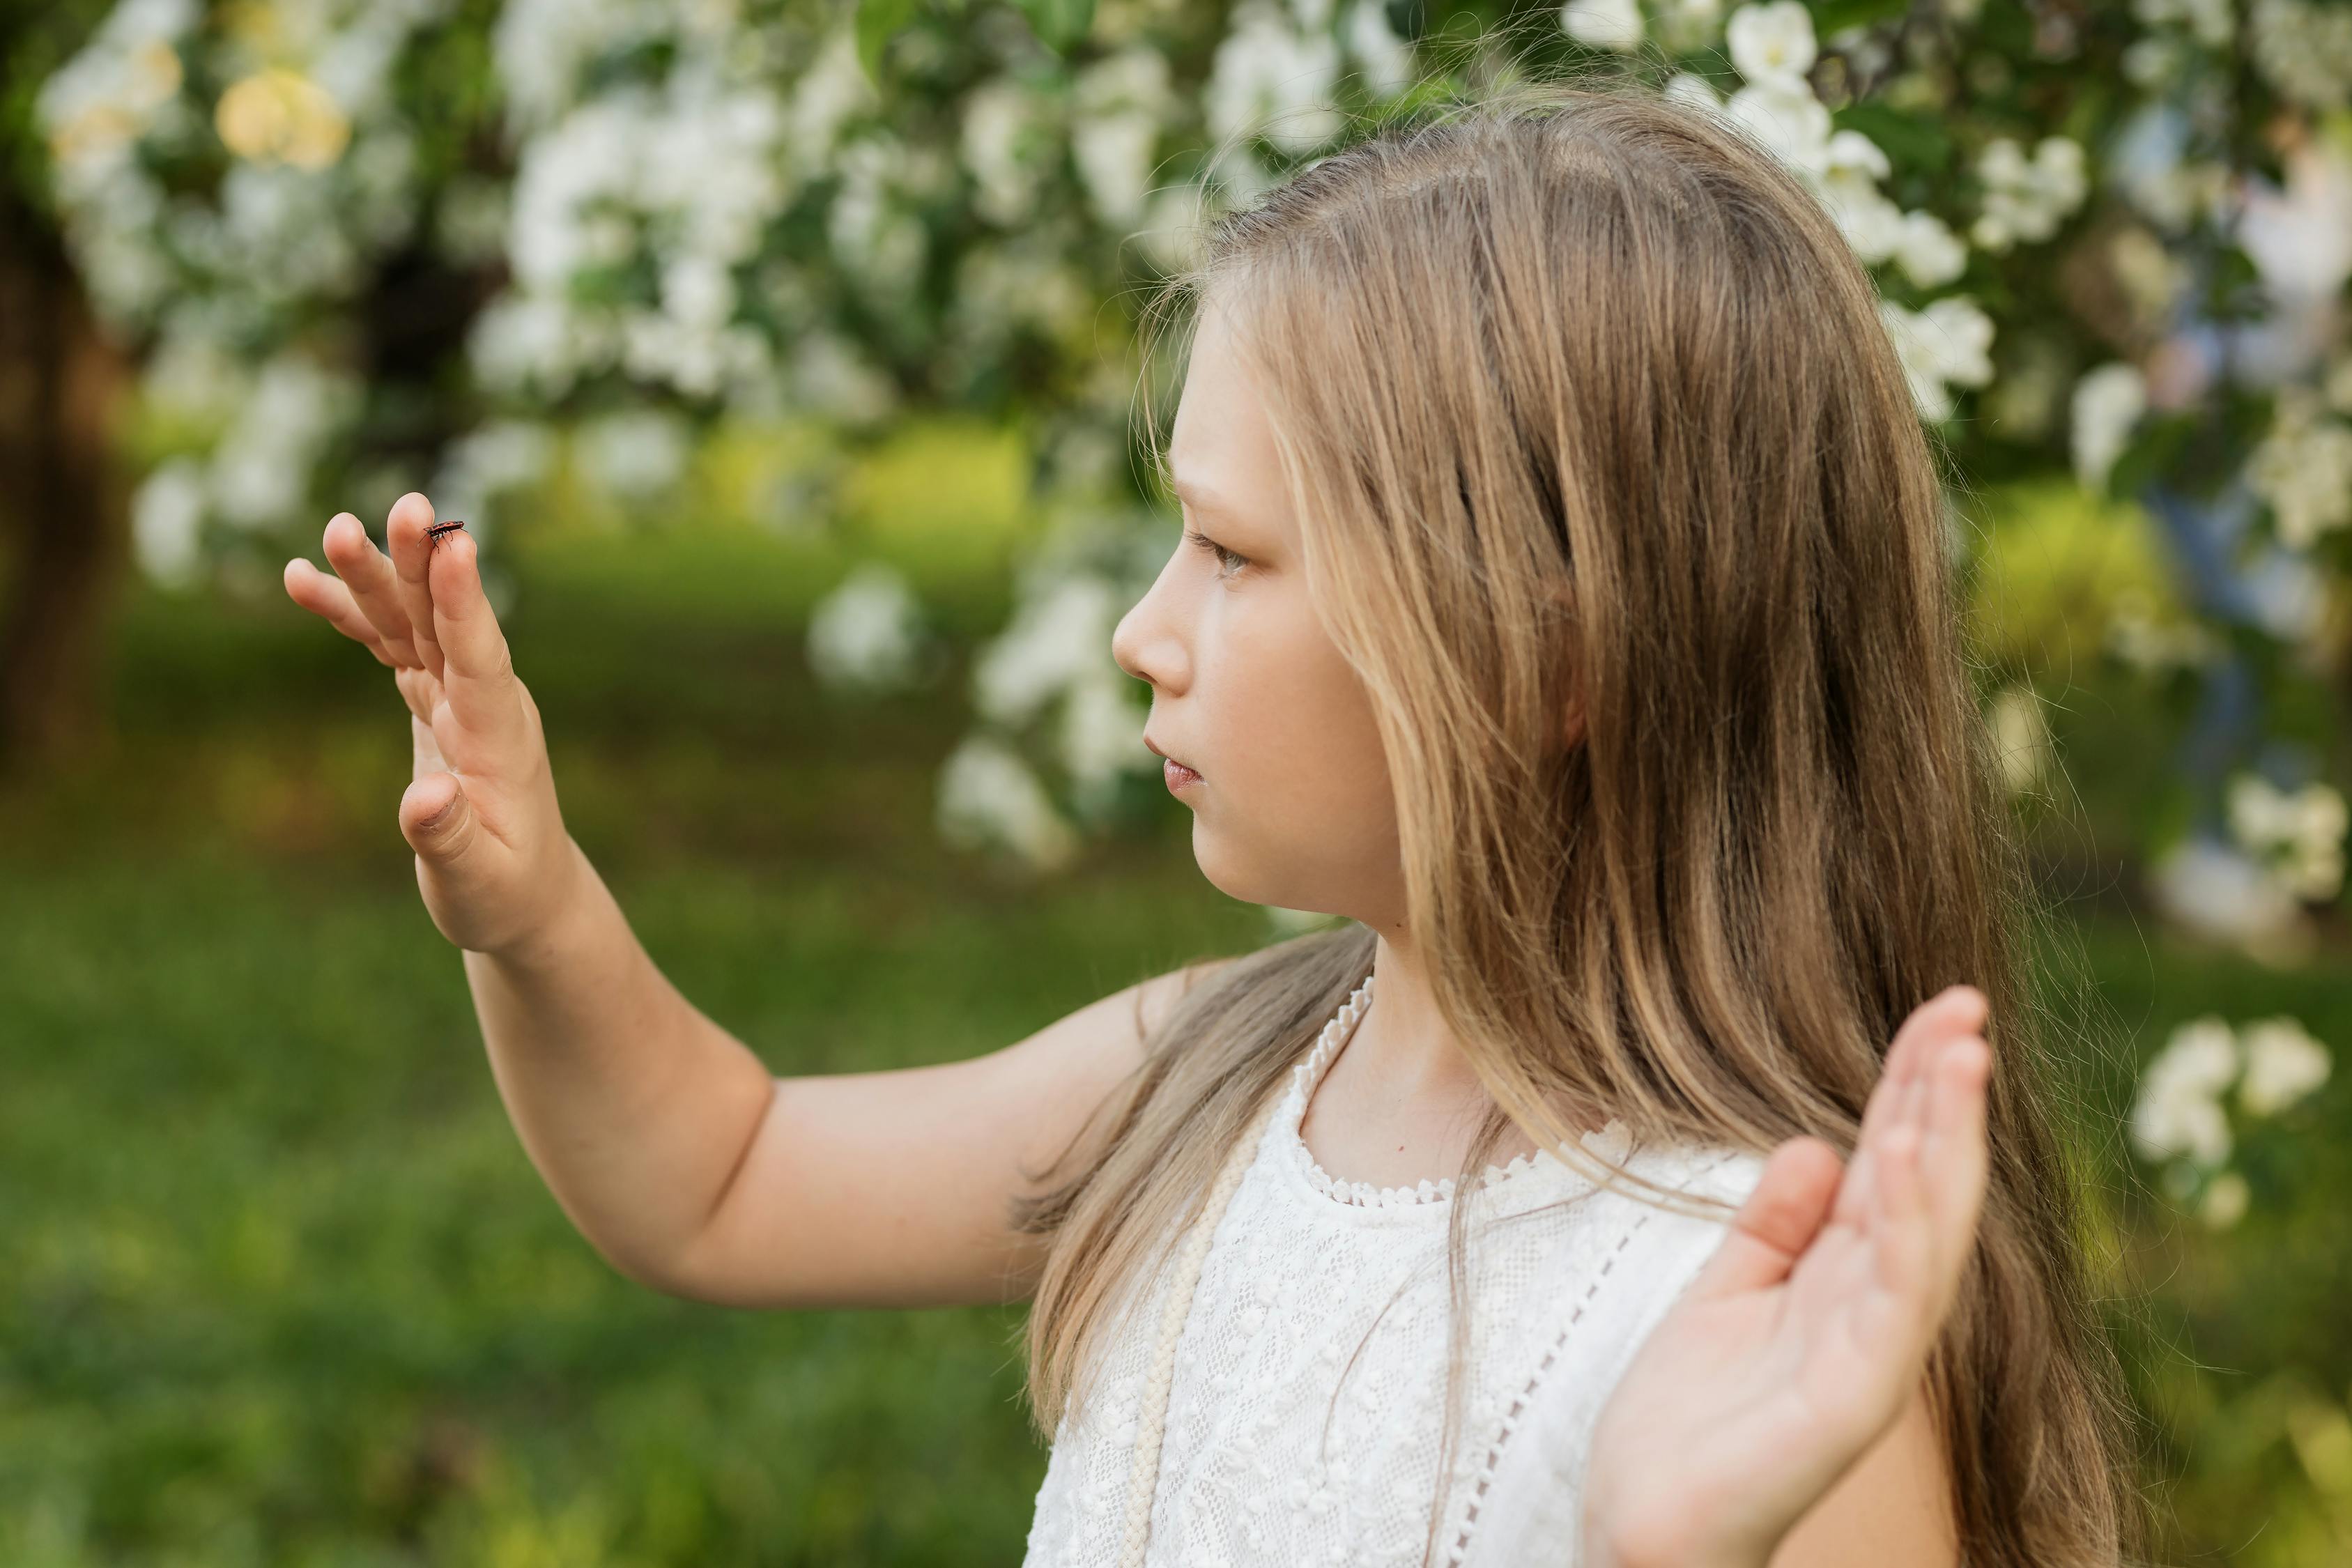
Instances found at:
x=1226 y=559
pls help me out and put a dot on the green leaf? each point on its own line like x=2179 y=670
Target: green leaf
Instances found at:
x=878 y=22
x=1913 y=141
x=1059 y=24
x=1833 y=16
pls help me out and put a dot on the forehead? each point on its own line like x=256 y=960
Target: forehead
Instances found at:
x=1220 y=449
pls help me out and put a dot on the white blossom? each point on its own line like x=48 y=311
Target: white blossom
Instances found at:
x=2178 y=1110
x=1691 y=89
x=2026 y=198
x=1272 y=80
x=1006 y=136
x=989 y=797
x=1060 y=631
x=167 y=516
x=2222 y=893
x=2210 y=22
x=1116 y=110
x=2304 y=50
x=1787 y=118
x=866 y=634
x=2225 y=1200
x=1101 y=732
x=637 y=453
x=260 y=472
x=1926 y=250
x=2106 y=404
x=1772 y=42
x=2303 y=470
x=1604 y=24
x=2283 y=1063
x=1386 y=58
x=831 y=374
x=2302 y=833
x=1947 y=344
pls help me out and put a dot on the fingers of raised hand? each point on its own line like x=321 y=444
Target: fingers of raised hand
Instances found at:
x=479 y=667
x=1900 y=1090
x=373 y=585
x=330 y=600
x=411 y=559
x=1929 y=1164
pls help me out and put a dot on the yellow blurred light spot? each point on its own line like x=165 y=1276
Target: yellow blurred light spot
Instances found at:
x=282 y=116
x=155 y=67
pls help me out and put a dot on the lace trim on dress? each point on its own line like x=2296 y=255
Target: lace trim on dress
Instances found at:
x=1610 y=1141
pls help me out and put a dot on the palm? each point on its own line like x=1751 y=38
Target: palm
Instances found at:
x=475 y=730
x=1798 y=1344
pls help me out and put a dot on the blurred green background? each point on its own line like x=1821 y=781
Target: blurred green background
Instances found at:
x=282 y=1286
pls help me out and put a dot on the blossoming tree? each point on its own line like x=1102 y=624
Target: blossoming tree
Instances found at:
x=2112 y=244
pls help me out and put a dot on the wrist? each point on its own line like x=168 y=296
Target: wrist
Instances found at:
x=557 y=931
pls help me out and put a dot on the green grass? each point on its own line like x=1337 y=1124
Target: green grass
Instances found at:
x=278 y=1285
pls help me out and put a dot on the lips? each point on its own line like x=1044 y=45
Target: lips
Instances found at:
x=1152 y=746
x=1178 y=774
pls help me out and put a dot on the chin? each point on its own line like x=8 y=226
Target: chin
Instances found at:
x=1246 y=881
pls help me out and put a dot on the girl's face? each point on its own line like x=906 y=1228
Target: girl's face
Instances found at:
x=1293 y=805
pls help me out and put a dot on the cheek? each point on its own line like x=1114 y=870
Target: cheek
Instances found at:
x=1300 y=739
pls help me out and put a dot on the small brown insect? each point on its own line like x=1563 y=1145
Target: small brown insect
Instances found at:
x=433 y=535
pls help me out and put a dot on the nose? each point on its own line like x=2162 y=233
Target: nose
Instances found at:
x=1145 y=643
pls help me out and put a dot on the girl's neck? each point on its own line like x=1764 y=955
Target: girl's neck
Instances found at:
x=1402 y=1055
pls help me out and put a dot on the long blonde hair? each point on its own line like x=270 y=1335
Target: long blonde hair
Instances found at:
x=1580 y=395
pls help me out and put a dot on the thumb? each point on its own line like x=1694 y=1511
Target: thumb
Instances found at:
x=1772 y=1229
x=436 y=817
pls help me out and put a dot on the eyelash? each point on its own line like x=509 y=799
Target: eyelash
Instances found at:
x=1230 y=562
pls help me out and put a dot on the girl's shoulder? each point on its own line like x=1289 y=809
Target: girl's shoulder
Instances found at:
x=1533 y=1498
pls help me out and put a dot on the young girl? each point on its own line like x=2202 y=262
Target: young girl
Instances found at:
x=1565 y=599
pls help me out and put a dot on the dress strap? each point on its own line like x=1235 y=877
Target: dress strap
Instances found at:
x=1143 y=1466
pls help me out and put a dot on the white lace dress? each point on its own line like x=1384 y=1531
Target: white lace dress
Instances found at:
x=1304 y=1415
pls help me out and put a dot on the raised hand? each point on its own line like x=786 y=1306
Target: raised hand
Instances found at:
x=1799 y=1342
x=493 y=860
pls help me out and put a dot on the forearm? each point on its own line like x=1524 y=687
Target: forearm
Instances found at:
x=634 y=1105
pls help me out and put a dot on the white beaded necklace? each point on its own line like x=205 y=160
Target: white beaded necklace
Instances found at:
x=1143 y=1470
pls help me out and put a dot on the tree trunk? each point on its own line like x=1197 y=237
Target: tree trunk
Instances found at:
x=63 y=500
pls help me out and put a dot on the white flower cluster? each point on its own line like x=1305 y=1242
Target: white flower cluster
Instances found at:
x=1056 y=648
x=867 y=634
x=2180 y=1116
x=256 y=476
x=687 y=173
x=2300 y=836
x=1948 y=342
x=2284 y=851
x=2303 y=51
x=2303 y=469
x=1683 y=25
x=2107 y=402
x=2027 y=198
x=2216 y=892
x=322 y=163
